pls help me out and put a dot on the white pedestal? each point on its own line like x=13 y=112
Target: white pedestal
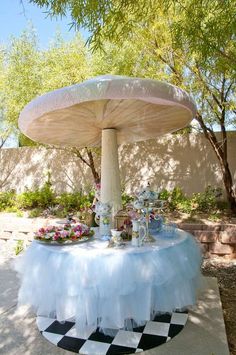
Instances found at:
x=110 y=174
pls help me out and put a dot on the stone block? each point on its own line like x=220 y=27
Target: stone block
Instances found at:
x=200 y=226
x=230 y=256
x=221 y=249
x=226 y=237
x=229 y=228
x=211 y=227
x=197 y=235
x=22 y=235
x=206 y=236
x=190 y=226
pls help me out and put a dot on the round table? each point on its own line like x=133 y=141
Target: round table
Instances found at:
x=106 y=287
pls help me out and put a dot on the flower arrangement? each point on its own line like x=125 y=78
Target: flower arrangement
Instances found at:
x=67 y=232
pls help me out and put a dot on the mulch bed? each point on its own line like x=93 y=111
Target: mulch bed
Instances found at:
x=225 y=272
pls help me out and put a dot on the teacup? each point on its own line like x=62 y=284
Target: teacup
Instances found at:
x=138 y=204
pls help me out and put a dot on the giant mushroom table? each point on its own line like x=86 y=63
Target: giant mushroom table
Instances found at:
x=96 y=285
x=107 y=110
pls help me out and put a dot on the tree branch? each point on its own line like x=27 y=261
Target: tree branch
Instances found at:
x=172 y=68
x=227 y=91
x=79 y=155
x=207 y=87
x=210 y=135
x=3 y=140
x=213 y=110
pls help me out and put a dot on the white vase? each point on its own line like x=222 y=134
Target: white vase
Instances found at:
x=116 y=237
x=135 y=233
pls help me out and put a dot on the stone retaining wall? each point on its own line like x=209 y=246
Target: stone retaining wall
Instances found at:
x=214 y=239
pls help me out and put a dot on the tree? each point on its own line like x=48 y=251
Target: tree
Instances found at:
x=22 y=77
x=27 y=72
x=211 y=31
x=5 y=129
x=198 y=55
x=65 y=63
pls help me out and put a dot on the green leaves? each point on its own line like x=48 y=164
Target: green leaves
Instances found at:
x=27 y=72
x=204 y=27
x=22 y=79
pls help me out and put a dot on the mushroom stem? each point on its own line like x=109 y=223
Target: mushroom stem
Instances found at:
x=110 y=174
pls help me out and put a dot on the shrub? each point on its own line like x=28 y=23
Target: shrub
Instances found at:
x=41 y=197
x=177 y=200
x=61 y=213
x=43 y=201
x=75 y=201
x=36 y=212
x=7 y=200
x=164 y=195
x=69 y=201
x=19 y=213
x=86 y=201
x=207 y=201
x=12 y=209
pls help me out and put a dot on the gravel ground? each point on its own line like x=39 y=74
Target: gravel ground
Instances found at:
x=225 y=271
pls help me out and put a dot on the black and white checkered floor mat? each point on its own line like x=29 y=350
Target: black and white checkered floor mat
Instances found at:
x=154 y=333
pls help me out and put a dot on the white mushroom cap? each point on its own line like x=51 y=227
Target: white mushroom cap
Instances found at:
x=138 y=109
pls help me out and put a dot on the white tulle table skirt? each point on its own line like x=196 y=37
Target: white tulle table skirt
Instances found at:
x=105 y=287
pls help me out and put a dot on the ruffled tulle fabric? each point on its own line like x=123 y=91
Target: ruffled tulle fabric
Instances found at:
x=104 y=287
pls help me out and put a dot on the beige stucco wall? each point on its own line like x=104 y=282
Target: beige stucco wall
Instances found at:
x=185 y=161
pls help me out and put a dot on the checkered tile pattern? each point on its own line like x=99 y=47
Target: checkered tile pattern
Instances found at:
x=154 y=333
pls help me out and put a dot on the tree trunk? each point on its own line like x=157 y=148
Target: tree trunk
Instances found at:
x=90 y=163
x=96 y=176
x=221 y=153
x=228 y=182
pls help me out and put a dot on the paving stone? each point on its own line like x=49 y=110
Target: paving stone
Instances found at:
x=22 y=235
x=6 y=235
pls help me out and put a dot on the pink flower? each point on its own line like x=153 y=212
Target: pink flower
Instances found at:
x=41 y=230
x=65 y=234
x=78 y=234
x=77 y=228
x=62 y=232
